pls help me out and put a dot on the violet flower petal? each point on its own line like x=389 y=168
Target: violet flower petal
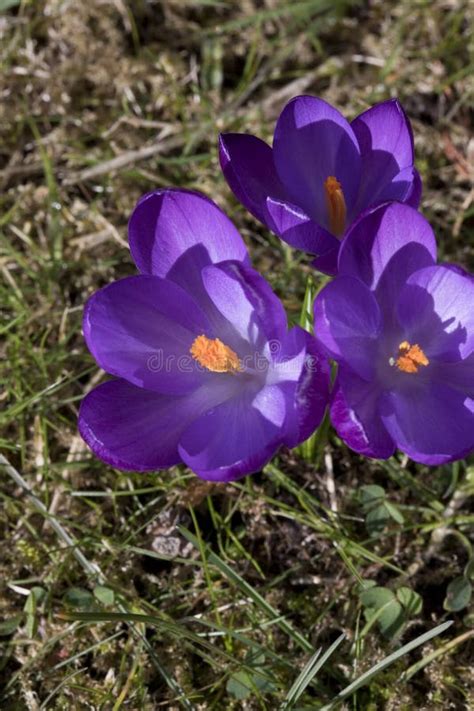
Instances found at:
x=433 y=425
x=138 y=430
x=347 y=323
x=386 y=148
x=355 y=417
x=247 y=164
x=378 y=235
x=170 y=224
x=443 y=321
x=298 y=230
x=383 y=248
x=458 y=375
x=327 y=262
x=141 y=328
x=312 y=142
x=307 y=398
x=245 y=300
x=233 y=439
x=131 y=428
x=403 y=187
x=414 y=196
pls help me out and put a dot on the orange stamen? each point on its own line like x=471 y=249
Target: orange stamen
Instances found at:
x=214 y=355
x=410 y=358
x=335 y=205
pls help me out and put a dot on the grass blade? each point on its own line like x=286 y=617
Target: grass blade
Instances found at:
x=309 y=672
x=247 y=589
x=364 y=678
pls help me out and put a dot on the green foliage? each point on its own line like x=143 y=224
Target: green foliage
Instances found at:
x=243 y=684
x=8 y=627
x=458 y=594
x=8 y=4
x=389 y=609
x=104 y=595
x=34 y=599
x=79 y=598
x=377 y=509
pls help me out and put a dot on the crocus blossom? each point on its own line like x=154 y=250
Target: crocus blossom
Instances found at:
x=322 y=172
x=401 y=328
x=207 y=372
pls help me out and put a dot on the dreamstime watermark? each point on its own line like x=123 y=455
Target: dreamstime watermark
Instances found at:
x=256 y=362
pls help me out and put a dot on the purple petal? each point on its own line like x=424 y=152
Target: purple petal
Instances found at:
x=298 y=230
x=436 y=310
x=458 y=375
x=385 y=127
x=175 y=233
x=312 y=142
x=383 y=248
x=235 y=438
x=347 y=323
x=327 y=262
x=141 y=328
x=386 y=149
x=431 y=423
x=131 y=428
x=355 y=416
x=403 y=187
x=247 y=164
x=246 y=301
x=136 y=429
x=307 y=385
x=375 y=239
x=414 y=196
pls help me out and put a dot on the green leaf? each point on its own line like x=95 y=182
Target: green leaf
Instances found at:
x=394 y=512
x=241 y=685
x=35 y=597
x=9 y=626
x=410 y=600
x=469 y=570
x=370 y=495
x=78 y=597
x=376 y=519
x=7 y=4
x=306 y=316
x=104 y=595
x=377 y=509
x=381 y=605
x=458 y=594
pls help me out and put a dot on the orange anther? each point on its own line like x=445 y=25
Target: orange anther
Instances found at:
x=335 y=205
x=214 y=355
x=410 y=358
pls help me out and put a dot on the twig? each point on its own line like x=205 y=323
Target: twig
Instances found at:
x=123 y=160
x=330 y=484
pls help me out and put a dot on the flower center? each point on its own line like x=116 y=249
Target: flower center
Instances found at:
x=214 y=355
x=335 y=205
x=410 y=358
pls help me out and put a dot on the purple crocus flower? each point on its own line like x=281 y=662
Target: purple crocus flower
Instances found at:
x=402 y=330
x=207 y=371
x=322 y=172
